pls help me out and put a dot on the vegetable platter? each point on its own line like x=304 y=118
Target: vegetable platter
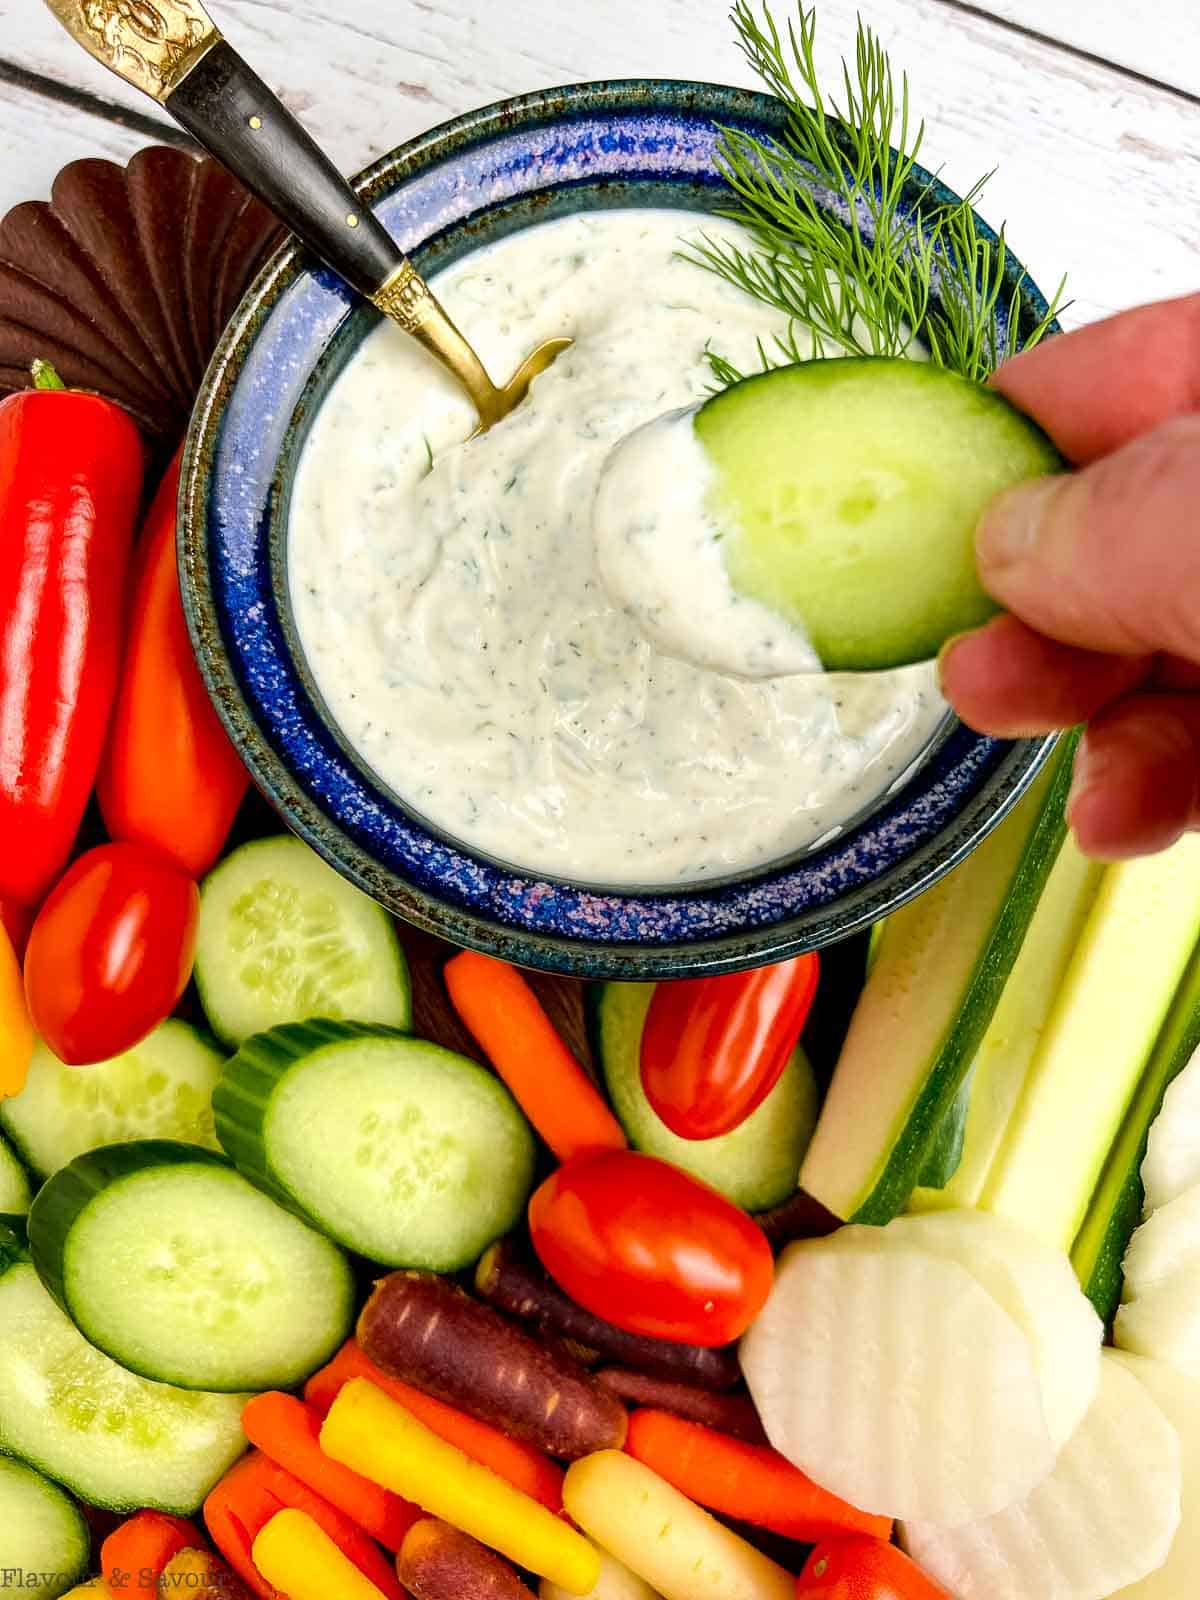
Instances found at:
x=337 y=1263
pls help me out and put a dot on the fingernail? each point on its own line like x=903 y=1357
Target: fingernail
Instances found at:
x=1012 y=525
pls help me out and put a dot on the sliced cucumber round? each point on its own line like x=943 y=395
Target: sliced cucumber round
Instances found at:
x=114 y=1439
x=46 y=1541
x=404 y=1152
x=756 y=1166
x=161 y=1089
x=14 y=1184
x=283 y=937
x=169 y=1261
x=850 y=490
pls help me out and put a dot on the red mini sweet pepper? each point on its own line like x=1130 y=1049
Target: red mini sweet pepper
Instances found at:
x=71 y=468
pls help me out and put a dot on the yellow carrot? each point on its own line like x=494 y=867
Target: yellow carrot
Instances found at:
x=664 y=1538
x=93 y=1589
x=368 y=1431
x=302 y=1561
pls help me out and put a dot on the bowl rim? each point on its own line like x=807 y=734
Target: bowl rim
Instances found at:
x=812 y=927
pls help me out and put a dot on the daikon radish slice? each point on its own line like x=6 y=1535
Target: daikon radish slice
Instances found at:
x=894 y=1379
x=1105 y=1518
x=1172 y=1164
x=1037 y=1286
x=1161 y=1314
x=1178 y=1398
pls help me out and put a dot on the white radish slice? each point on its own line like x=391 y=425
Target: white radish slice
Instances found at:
x=1172 y=1164
x=1105 y=1518
x=1161 y=1314
x=895 y=1380
x=1178 y=1398
x=1037 y=1286
x=1165 y=1246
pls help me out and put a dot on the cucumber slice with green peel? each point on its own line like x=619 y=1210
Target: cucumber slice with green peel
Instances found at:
x=941 y=967
x=14 y=1184
x=850 y=490
x=407 y=1153
x=1116 y=1207
x=161 y=1089
x=283 y=938
x=1134 y=951
x=170 y=1262
x=46 y=1543
x=116 y=1440
x=756 y=1165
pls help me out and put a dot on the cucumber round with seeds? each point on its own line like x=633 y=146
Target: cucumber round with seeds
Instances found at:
x=46 y=1540
x=283 y=937
x=850 y=490
x=169 y=1261
x=407 y=1153
x=161 y=1089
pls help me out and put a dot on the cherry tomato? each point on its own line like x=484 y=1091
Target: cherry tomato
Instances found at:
x=861 y=1568
x=650 y=1248
x=110 y=952
x=714 y=1048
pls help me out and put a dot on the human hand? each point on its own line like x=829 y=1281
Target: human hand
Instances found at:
x=1100 y=572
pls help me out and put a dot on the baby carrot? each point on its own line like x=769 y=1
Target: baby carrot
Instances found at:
x=750 y=1482
x=368 y=1431
x=299 y=1559
x=524 y=1467
x=198 y=1575
x=518 y=1038
x=289 y=1432
x=440 y=1563
x=134 y=1555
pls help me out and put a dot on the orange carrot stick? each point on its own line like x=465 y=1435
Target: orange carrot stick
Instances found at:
x=134 y=1555
x=289 y=1432
x=524 y=1467
x=518 y=1038
x=751 y=1482
x=252 y=1492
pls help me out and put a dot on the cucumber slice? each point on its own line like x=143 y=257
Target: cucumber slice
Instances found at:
x=46 y=1540
x=1116 y=1206
x=406 y=1153
x=851 y=490
x=939 y=973
x=169 y=1261
x=1114 y=1001
x=161 y=1089
x=755 y=1166
x=283 y=938
x=116 y=1440
x=14 y=1185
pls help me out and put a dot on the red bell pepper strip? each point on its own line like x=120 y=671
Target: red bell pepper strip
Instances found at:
x=251 y=1493
x=714 y=1048
x=135 y=1555
x=71 y=470
x=170 y=779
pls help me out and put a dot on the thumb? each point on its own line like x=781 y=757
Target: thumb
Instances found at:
x=1107 y=558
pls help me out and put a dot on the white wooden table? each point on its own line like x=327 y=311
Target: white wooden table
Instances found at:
x=1091 y=112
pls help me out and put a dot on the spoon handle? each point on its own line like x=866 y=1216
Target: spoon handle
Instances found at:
x=174 y=52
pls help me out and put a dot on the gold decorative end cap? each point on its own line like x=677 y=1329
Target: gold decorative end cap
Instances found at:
x=152 y=44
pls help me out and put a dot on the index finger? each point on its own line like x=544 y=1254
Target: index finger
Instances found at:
x=1097 y=388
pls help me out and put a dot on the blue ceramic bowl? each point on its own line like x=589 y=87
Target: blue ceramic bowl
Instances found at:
x=462 y=185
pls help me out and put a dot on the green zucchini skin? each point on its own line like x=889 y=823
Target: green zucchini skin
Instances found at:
x=59 y=1203
x=1116 y=1210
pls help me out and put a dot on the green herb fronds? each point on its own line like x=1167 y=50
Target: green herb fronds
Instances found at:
x=838 y=246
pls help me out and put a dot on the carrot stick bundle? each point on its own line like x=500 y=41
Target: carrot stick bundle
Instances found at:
x=427 y=1332
x=748 y=1481
x=728 y=1413
x=287 y=1431
x=524 y=1467
x=368 y=1431
x=511 y=1284
x=438 y=1562
x=520 y=1041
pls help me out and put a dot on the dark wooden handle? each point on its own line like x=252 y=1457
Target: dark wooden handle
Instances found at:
x=230 y=110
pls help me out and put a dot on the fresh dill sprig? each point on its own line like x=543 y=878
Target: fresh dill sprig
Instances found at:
x=837 y=244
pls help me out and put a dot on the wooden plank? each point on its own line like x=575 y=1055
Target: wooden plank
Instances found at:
x=39 y=136
x=1161 y=42
x=1099 y=173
